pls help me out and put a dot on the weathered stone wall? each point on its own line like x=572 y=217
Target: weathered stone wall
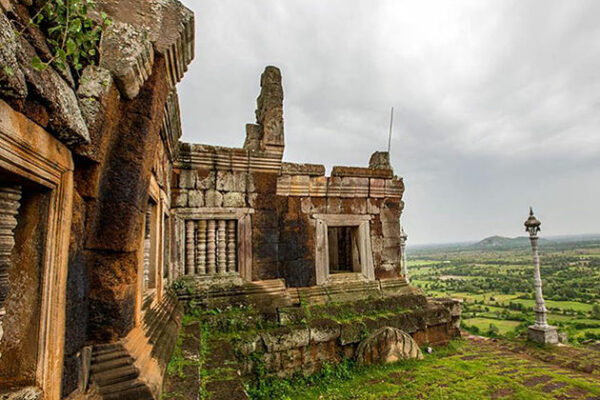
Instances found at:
x=292 y=348
x=349 y=191
x=285 y=197
x=211 y=176
x=120 y=121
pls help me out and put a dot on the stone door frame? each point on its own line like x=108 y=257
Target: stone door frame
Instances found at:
x=244 y=233
x=30 y=152
x=324 y=221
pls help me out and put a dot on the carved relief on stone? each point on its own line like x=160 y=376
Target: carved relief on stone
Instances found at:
x=387 y=345
x=9 y=207
x=221 y=247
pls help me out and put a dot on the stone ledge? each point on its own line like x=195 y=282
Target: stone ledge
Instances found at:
x=302 y=169
x=361 y=172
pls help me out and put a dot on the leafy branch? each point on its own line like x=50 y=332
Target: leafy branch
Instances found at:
x=72 y=36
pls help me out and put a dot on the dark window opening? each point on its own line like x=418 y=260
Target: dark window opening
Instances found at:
x=344 y=255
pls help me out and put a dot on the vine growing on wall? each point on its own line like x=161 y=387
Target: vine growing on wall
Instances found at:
x=72 y=35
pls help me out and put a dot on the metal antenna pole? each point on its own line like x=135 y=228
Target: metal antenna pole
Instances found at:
x=390 y=136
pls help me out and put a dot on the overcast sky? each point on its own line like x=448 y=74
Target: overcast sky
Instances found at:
x=497 y=102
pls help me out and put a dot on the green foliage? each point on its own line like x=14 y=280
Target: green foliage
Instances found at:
x=72 y=36
x=270 y=387
x=461 y=371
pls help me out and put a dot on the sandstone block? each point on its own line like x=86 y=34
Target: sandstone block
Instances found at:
x=250 y=188
x=127 y=52
x=373 y=206
x=387 y=345
x=324 y=330
x=252 y=197
x=195 y=198
x=302 y=169
x=239 y=181
x=318 y=186
x=206 y=179
x=380 y=160
x=213 y=198
x=187 y=179
x=376 y=187
x=291 y=361
x=253 y=137
x=334 y=205
x=285 y=338
x=391 y=229
x=354 y=206
x=67 y=123
x=351 y=332
x=234 y=199
x=180 y=198
x=11 y=84
x=299 y=185
x=225 y=181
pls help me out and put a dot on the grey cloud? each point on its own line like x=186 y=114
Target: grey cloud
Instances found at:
x=497 y=103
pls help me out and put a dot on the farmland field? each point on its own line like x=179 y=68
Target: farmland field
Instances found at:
x=497 y=286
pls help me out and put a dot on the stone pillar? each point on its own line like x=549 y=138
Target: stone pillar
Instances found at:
x=403 y=263
x=540 y=332
x=190 y=259
x=147 y=249
x=9 y=205
x=221 y=247
x=201 y=247
x=231 y=246
x=210 y=248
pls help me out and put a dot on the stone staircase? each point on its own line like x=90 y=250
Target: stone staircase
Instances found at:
x=114 y=374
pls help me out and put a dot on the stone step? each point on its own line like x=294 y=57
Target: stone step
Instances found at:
x=135 y=393
x=106 y=348
x=116 y=375
x=108 y=356
x=121 y=387
x=111 y=364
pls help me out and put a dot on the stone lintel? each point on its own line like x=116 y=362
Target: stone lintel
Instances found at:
x=360 y=172
x=302 y=169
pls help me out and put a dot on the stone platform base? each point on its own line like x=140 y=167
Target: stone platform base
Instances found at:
x=548 y=335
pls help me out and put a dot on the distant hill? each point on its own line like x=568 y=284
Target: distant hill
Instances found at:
x=501 y=242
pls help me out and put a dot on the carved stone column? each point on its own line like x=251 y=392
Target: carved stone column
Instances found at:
x=201 y=247
x=540 y=332
x=231 y=246
x=211 y=244
x=189 y=247
x=9 y=205
x=403 y=263
x=147 y=250
x=221 y=247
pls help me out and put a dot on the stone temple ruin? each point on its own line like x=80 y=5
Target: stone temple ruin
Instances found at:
x=111 y=228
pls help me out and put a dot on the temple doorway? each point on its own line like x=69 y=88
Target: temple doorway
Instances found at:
x=344 y=253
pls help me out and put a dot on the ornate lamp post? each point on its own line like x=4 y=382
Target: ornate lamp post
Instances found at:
x=540 y=332
x=403 y=265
